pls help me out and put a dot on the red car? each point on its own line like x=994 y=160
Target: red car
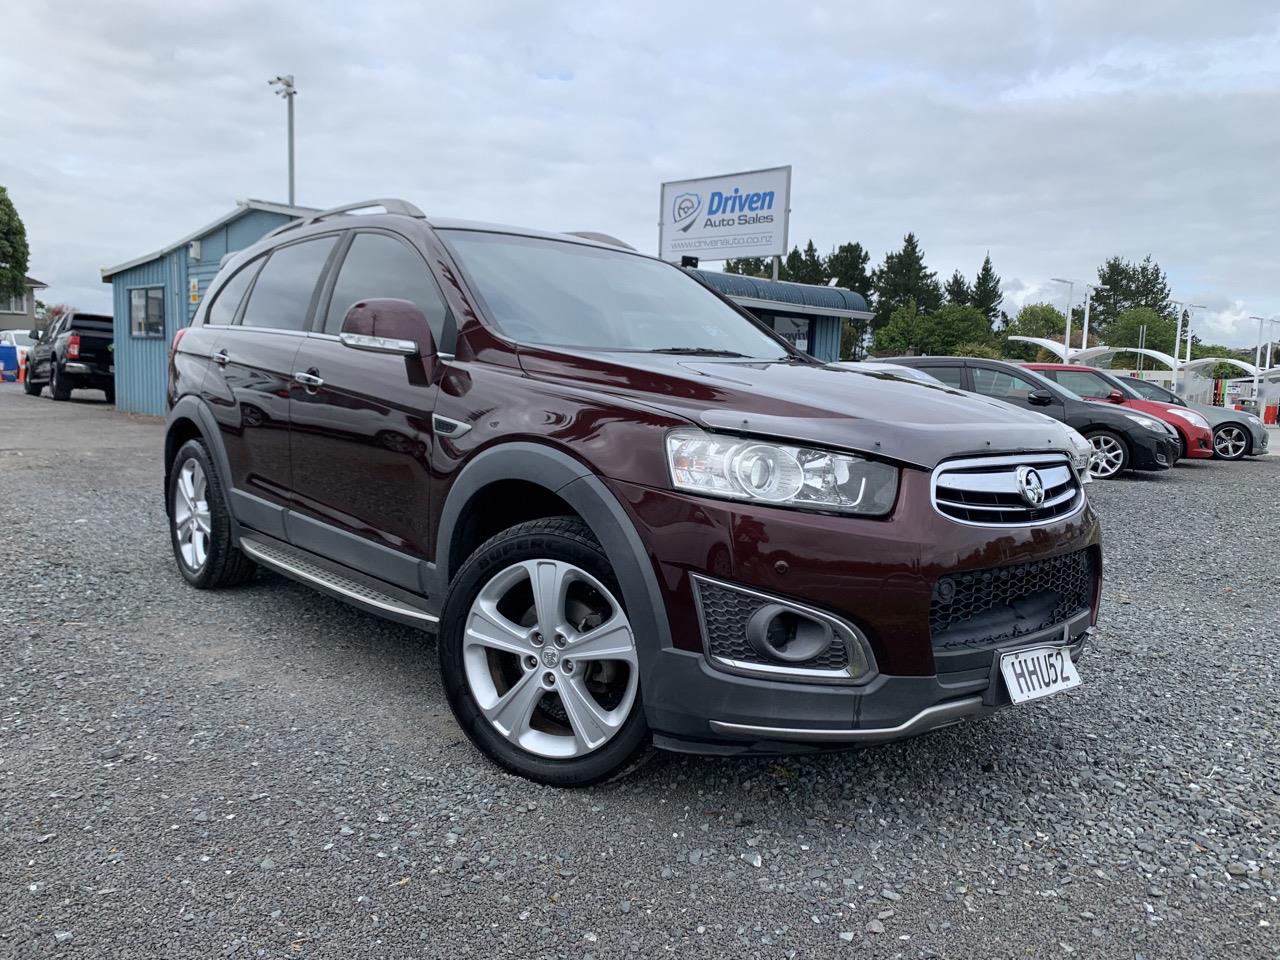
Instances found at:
x=1194 y=432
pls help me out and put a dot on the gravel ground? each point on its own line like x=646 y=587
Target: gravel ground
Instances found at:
x=267 y=773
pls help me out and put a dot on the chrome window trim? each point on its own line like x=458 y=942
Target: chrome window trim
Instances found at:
x=1012 y=461
x=842 y=629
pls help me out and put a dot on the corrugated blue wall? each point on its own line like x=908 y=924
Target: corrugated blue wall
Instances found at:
x=826 y=338
x=142 y=363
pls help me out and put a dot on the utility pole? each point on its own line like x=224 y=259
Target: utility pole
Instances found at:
x=1066 y=340
x=288 y=91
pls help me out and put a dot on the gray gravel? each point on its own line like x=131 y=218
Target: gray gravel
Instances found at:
x=267 y=773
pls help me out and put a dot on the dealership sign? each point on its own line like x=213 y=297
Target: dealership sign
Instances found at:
x=737 y=215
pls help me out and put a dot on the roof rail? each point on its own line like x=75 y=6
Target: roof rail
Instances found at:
x=600 y=238
x=388 y=205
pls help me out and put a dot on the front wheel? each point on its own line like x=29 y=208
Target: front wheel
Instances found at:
x=1110 y=455
x=31 y=389
x=200 y=525
x=539 y=659
x=1230 y=442
x=59 y=385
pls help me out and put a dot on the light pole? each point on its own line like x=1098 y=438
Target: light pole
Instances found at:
x=1089 y=288
x=1066 y=341
x=288 y=91
x=1177 y=341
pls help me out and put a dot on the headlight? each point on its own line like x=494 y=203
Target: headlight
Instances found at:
x=1159 y=426
x=1254 y=420
x=717 y=465
x=1190 y=416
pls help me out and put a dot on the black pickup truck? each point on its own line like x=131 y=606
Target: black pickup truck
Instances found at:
x=76 y=352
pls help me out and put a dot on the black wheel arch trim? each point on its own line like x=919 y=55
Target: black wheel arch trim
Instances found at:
x=595 y=503
x=191 y=409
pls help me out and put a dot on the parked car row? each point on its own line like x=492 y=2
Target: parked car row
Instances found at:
x=1130 y=424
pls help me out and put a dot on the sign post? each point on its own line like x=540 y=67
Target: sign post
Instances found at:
x=734 y=215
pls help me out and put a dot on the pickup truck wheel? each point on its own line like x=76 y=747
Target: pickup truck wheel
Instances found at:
x=539 y=659
x=59 y=385
x=111 y=395
x=32 y=389
x=200 y=525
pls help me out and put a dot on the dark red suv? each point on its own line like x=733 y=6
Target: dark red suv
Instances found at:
x=632 y=513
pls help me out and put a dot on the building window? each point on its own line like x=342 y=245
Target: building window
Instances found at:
x=795 y=330
x=146 y=312
x=12 y=304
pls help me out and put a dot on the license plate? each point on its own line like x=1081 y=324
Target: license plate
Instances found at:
x=1031 y=674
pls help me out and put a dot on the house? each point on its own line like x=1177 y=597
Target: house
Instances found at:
x=154 y=295
x=19 y=313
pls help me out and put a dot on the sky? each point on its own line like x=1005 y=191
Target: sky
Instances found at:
x=1052 y=135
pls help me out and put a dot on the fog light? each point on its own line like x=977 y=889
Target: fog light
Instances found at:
x=778 y=633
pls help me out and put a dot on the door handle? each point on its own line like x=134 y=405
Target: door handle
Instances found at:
x=309 y=380
x=220 y=358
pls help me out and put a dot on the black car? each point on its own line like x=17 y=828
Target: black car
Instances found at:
x=74 y=353
x=1122 y=440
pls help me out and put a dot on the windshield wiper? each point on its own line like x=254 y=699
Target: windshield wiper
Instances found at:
x=699 y=352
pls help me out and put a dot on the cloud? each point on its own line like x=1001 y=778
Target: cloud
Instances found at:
x=1051 y=135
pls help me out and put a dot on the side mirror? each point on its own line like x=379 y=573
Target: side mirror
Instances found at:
x=1040 y=398
x=1115 y=396
x=34 y=334
x=388 y=326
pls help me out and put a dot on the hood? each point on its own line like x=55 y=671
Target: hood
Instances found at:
x=878 y=414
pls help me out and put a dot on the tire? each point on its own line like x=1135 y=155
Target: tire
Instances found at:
x=1110 y=454
x=192 y=482
x=518 y=693
x=1230 y=442
x=59 y=386
x=111 y=395
x=31 y=389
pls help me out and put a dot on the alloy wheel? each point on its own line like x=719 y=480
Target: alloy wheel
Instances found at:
x=191 y=515
x=550 y=658
x=1108 y=457
x=1229 y=442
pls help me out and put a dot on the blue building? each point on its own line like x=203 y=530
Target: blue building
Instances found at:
x=810 y=317
x=153 y=296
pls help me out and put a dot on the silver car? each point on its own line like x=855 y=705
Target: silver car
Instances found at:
x=1235 y=434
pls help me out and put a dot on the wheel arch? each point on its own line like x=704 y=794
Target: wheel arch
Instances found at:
x=190 y=419
x=562 y=480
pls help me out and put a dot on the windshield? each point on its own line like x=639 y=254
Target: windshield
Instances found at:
x=1150 y=391
x=17 y=338
x=572 y=295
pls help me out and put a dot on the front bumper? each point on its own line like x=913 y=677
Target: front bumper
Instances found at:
x=1151 y=451
x=878 y=576
x=1261 y=439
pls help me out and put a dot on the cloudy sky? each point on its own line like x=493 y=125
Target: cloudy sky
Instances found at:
x=1051 y=134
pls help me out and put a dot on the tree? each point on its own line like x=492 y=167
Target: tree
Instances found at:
x=1126 y=331
x=903 y=278
x=957 y=289
x=804 y=267
x=848 y=264
x=1129 y=285
x=986 y=294
x=14 y=252
x=910 y=330
x=903 y=332
x=971 y=349
x=1033 y=320
x=750 y=267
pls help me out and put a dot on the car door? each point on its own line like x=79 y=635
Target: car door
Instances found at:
x=42 y=350
x=1001 y=384
x=254 y=357
x=361 y=426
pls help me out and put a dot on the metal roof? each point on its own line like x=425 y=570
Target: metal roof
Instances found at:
x=242 y=207
x=781 y=296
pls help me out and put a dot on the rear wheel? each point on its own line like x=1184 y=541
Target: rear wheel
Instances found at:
x=1230 y=442
x=538 y=657
x=59 y=385
x=1110 y=455
x=200 y=525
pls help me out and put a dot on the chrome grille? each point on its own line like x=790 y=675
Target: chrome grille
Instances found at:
x=988 y=491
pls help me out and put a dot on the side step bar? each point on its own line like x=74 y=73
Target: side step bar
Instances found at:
x=354 y=588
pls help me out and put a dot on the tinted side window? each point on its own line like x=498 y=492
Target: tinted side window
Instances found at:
x=377 y=265
x=951 y=376
x=227 y=302
x=1001 y=385
x=1082 y=382
x=282 y=295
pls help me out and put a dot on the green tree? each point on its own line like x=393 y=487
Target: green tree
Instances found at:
x=1033 y=320
x=903 y=332
x=848 y=264
x=952 y=324
x=903 y=278
x=750 y=267
x=1129 y=285
x=13 y=249
x=1126 y=331
x=804 y=267
x=972 y=349
x=986 y=294
x=957 y=289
